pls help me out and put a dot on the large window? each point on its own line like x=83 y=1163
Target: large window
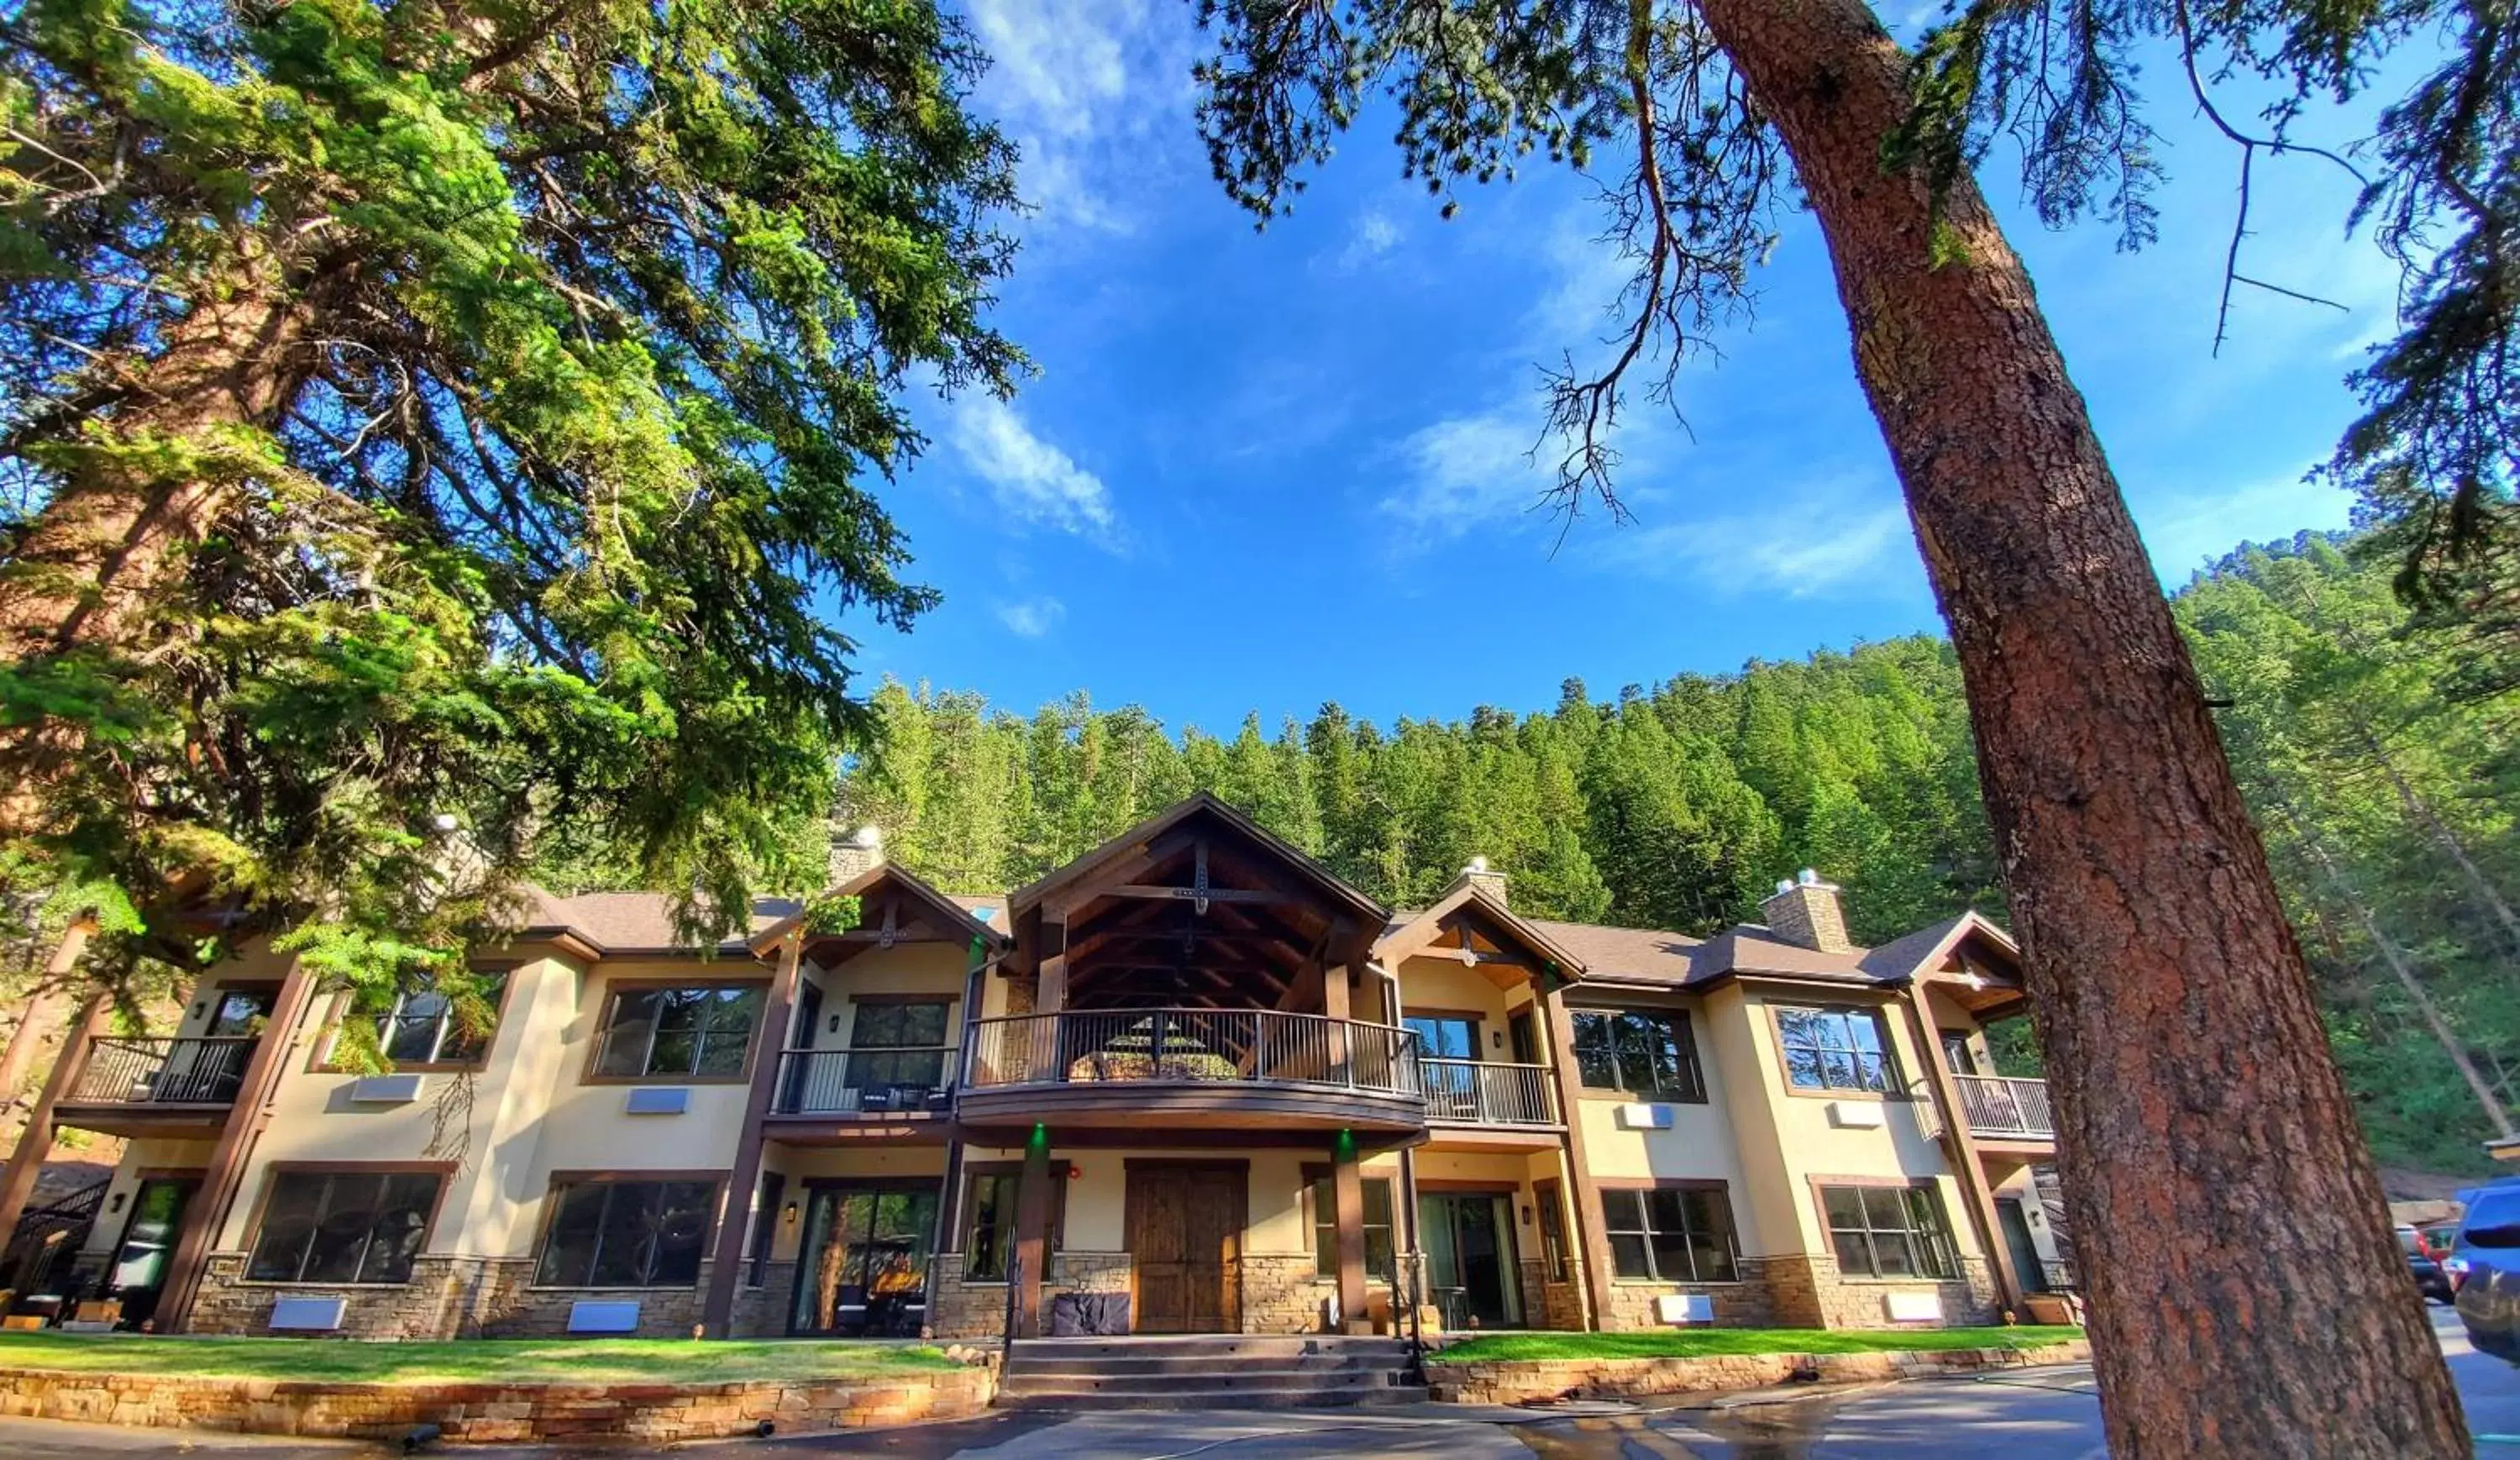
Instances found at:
x=1671 y=1234
x=1646 y=1052
x=626 y=1234
x=1381 y=1251
x=898 y=1045
x=1836 y=1049
x=343 y=1227
x=425 y=1027
x=989 y=1204
x=671 y=1033
x=1889 y=1231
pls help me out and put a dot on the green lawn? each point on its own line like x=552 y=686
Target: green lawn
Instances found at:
x=1709 y=1341
x=580 y=1361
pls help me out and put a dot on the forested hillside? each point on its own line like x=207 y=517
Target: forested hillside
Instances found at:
x=2388 y=807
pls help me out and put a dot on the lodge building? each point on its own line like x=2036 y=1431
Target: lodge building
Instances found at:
x=1189 y=1083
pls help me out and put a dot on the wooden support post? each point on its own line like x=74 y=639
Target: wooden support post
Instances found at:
x=1962 y=1146
x=1335 y=985
x=35 y=1142
x=1048 y=1002
x=744 y=1178
x=1583 y=1195
x=224 y=1179
x=1347 y=1196
x=1411 y=1261
x=1032 y=1233
x=43 y=1009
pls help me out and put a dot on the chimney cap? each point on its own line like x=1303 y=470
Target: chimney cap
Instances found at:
x=869 y=837
x=1807 y=878
x=1784 y=884
x=1477 y=866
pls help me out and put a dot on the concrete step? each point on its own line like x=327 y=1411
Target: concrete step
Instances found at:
x=1080 y=1379
x=1216 y=1346
x=1149 y=1364
x=1192 y=1397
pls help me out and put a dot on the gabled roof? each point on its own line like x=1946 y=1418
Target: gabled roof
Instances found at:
x=1411 y=934
x=1923 y=950
x=1369 y=913
x=954 y=912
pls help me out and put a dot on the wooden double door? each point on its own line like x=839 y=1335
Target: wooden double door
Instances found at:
x=1185 y=1226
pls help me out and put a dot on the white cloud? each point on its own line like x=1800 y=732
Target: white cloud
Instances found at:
x=1030 y=480
x=1465 y=471
x=1032 y=617
x=1833 y=537
x=2183 y=531
x=1375 y=235
x=1093 y=91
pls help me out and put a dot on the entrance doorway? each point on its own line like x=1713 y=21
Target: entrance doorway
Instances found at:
x=1185 y=1230
x=148 y=1244
x=861 y=1259
x=2016 y=1238
x=1471 y=1275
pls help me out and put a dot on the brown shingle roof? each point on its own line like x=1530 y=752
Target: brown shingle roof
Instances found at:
x=617 y=922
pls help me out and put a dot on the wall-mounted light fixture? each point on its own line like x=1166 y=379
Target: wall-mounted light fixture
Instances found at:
x=789 y=1216
x=116 y=1204
x=836 y=1024
x=1495 y=1039
x=1526 y=1213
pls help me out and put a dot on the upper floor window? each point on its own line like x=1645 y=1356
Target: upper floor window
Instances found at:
x=1836 y=1049
x=1646 y=1052
x=1889 y=1231
x=626 y=1234
x=1444 y=1036
x=668 y=1032
x=1956 y=1053
x=1669 y=1234
x=898 y=1045
x=353 y=1226
x=426 y=1027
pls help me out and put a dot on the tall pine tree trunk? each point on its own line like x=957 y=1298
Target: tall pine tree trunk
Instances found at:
x=2419 y=808
x=141 y=480
x=2248 y=1298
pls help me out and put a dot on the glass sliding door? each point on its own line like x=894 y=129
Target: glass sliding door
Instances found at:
x=1472 y=1275
x=861 y=1259
x=148 y=1243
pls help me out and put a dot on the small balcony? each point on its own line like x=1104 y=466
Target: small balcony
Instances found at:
x=2006 y=1111
x=840 y=1096
x=1305 y=1076
x=140 y=1086
x=1474 y=1092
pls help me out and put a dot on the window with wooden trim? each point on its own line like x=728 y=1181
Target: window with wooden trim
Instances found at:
x=665 y=1032
x=990 y=1203
x=1669 y=1234
x=428 y=1027
x=342 y=1227
x=1834 y=1048
x=1647 y=1053
x=1956 y=1056
x=1890 y=1231
x=1382 y=1252
x=626 y=1234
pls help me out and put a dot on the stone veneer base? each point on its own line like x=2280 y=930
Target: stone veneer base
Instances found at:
x=491 y=1413
x=1513 y=1381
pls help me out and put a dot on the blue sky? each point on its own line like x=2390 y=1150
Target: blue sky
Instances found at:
x=1259 y=470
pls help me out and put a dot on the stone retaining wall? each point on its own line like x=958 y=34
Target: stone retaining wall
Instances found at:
x=493 y=1413
x=1513 y=1381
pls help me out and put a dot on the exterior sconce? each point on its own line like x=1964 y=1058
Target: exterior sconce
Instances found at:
x=836 y=1024
x=1495 y=1039
x=116 y=1204
x=1526 y=1213
x=789 y=1216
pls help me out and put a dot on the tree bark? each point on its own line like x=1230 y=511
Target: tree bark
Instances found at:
x=115 y=539
x=2248 y=1298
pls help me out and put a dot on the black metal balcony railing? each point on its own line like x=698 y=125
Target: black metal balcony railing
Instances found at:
x=205 y=1071
x=863 y=1081
x=1192 y=1046
x=1999 y=1106
x=1474 y=1092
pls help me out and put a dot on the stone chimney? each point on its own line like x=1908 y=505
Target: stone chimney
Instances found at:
x=1477 y=875
x=1805 y=912
x=851 y=853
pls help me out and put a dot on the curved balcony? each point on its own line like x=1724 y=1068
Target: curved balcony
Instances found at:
x=1137 y=1069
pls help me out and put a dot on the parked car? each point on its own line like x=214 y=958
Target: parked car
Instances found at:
x=2430 y=1280
x=2484 y=1269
